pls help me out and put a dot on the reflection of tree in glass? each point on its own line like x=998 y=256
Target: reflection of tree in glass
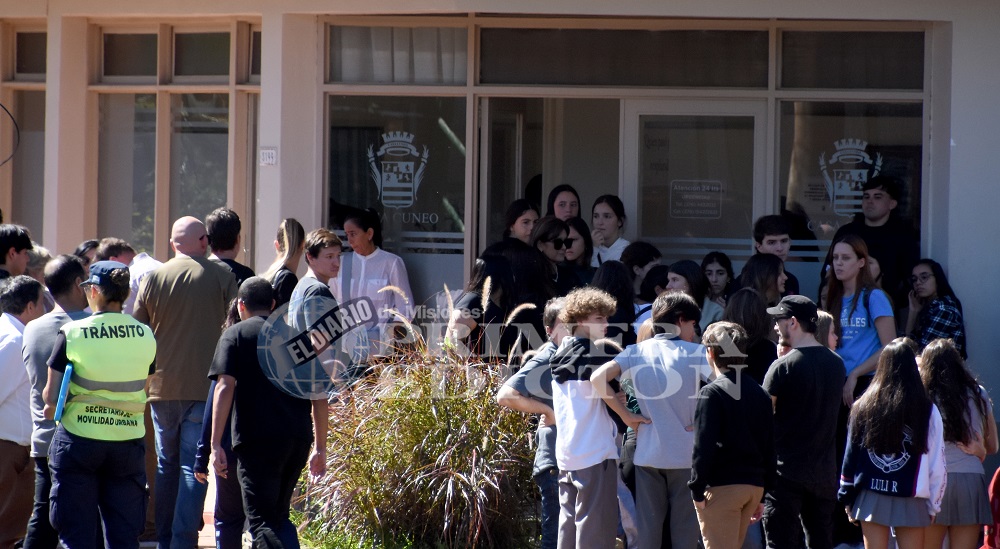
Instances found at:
x=143 y=177
x=199 y=153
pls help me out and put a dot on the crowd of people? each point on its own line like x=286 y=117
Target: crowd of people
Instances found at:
x=106 y=351
x=718 y=400
x=677 y=403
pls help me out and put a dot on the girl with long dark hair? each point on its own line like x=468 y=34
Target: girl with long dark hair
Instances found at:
x=935 y=311
x=718 y=269
x=580 y=249
x=608 y=221
x=766 y=274
x=687 y=276
x=551 y=237
x=487 y=301
x=970 y=433
x=894 y=468
x=519 y=220
x=563 y=202
x=747 y=309
x=613 y=277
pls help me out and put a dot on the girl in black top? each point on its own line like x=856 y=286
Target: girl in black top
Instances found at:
x=289 y=245
x=486 y=302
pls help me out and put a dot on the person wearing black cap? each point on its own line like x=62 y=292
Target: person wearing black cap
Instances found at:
x=805 y=387
x=97 y=456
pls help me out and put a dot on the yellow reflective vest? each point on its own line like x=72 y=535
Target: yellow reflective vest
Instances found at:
x=111 y=354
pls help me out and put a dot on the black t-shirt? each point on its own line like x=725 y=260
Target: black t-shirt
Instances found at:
x=261 y=411
x=283 y=282
x=808 y=383
x=895 y=245
x=791 y=285
x=760 y=355
x=240 y=271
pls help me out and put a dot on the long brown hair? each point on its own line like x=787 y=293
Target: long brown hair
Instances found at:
x=895 y=404
x=835 y=288
x=951 y=386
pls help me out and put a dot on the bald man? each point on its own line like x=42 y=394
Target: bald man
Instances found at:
x=185 y=303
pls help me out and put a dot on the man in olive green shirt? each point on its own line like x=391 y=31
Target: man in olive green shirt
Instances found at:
x=185 y=303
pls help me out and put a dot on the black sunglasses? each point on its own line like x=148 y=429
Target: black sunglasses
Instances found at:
x=558 y=243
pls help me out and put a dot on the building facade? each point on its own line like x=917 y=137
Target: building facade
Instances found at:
x=701 y=116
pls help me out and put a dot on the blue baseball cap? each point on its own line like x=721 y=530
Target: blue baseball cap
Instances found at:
x=100 y=272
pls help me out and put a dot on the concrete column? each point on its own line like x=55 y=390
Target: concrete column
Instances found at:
x=70 y=206
x=291 y=120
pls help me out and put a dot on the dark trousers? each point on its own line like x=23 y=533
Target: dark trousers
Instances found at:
x=790 y=507
x=96 y=474
x=41 y=534
x=548 y=487
x=229 y=515
x=268 y=473
x=843 y=530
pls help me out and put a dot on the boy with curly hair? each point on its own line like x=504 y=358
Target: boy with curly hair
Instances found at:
x=585 y=448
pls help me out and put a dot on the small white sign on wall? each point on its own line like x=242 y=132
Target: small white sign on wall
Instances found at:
x=268 y=156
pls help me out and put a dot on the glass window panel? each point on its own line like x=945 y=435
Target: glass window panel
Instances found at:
x=581 y=142
x=126 y=168
x=624 y=57
x=852 y=60
x=31 y=48
x=201 y=54
x=29 y=162
x=255 y=43
x=695 y=183
x=130 y=55
x=827 y=151
x=398 y=55
x=404 y=157
x=199 y=153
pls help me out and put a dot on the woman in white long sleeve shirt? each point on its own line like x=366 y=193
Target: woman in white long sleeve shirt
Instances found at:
x=376 y=274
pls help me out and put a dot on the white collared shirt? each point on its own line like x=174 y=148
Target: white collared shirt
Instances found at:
x=609 y=253
x=15 y=390
x=140 y=266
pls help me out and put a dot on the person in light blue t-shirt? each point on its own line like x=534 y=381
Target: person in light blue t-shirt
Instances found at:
x=864 y=317
x=862 y=310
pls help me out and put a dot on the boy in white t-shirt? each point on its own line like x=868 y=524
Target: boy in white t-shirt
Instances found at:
x=586 y=452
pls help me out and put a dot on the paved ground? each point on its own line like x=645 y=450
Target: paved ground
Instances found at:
x=207 y=536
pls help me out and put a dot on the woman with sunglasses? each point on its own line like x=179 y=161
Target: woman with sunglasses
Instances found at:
x=579 y=250
x=551 y=237
x=935 y=311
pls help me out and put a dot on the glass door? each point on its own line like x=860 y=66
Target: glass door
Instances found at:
x=693 y=175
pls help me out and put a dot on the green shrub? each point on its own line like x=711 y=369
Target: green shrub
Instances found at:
x=420 y=452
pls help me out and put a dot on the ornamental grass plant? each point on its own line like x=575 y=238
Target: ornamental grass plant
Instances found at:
x=420 y=455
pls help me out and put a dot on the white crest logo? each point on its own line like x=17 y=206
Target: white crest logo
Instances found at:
x=844 y=183
x=889 y=463
x=393 y=172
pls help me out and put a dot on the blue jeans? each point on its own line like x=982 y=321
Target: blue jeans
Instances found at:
x=180 y=499
x=548 y=487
